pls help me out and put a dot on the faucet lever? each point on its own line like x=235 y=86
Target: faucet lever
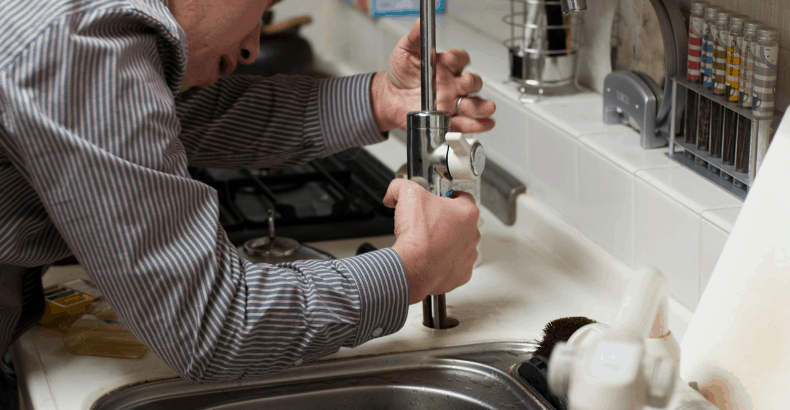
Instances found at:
x=466 y=158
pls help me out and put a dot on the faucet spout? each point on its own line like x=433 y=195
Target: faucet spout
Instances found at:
x=427 y=54
x=434 y=159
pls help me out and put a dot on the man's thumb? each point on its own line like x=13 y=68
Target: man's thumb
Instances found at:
x=411 y=42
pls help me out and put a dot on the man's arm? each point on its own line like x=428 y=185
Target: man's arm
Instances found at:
x=250 y=121
x=89 y=121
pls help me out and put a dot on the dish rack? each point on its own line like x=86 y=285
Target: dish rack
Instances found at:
x=539 y=62
x=752 y=139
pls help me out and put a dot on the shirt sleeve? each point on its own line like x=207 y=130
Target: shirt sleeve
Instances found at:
x=252 y=121
x=90 y=121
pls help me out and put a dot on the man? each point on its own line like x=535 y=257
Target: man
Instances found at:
x=102 y=106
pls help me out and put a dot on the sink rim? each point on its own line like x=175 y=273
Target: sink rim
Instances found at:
x=497 y=361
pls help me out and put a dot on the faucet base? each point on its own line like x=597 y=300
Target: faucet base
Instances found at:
x=434 y=313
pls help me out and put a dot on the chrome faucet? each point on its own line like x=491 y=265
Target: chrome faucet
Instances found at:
x=437 y=157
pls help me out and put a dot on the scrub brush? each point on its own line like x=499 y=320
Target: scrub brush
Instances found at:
x=535 y=370
x=559 y=330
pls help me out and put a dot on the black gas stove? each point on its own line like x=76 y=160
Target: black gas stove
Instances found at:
x=328 y=198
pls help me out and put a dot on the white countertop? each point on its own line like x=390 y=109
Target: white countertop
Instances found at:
x=536 y=271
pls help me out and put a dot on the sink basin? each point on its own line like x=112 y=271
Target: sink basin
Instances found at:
x=478 y=376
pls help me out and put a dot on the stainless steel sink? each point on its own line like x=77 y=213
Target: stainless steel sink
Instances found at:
x=467 y=377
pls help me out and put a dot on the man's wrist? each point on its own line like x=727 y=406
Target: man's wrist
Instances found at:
x=418 y=285
x=381 y=112
x=383 y=288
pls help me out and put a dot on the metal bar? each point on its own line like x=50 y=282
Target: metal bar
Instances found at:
x=428 y=76
x=428 y=48
x=672 y=119
x=332 y=181
x=266 y=191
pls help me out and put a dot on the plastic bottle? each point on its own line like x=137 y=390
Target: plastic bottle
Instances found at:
x=720 y=37
x=734 y=47
x=743 y=141
x=707 y=46
x=747 y=63
x=696 y=27
x=693 y=71
x=765 y=72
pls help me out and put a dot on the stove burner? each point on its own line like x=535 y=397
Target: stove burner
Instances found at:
x=329 y=198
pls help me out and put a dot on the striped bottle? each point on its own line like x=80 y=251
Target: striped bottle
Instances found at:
x=735 y=44
x=696 y=26
x=747 y=63
x=765 y=70
x=707 y=46
x=720 y=37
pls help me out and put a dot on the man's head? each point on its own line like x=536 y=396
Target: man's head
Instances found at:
x=221 y=35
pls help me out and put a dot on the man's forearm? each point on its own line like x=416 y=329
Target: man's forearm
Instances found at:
x=246 y=121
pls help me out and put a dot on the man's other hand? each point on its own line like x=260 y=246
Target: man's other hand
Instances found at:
x=397 y=92
x=436 y=237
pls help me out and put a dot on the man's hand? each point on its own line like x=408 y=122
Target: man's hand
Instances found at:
x=397 y=92
x=436 y=237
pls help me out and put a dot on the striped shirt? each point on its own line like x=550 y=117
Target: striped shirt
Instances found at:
x=94 y=148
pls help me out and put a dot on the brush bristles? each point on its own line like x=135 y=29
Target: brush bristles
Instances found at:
x=559 y=330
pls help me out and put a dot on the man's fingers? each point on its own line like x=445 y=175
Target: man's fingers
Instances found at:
x=464 y=197
x=401 y=189
x=469 y=83
x=393 y=192
x=475 y=107
x=455 y=60
x=471 y=125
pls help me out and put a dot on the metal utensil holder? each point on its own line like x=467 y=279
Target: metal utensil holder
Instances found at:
x=761 y=131
x=533 y=66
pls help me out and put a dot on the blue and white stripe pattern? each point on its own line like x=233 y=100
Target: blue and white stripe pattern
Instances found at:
x=94 y=147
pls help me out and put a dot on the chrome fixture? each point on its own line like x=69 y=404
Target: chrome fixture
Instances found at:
x=543 y=47
x=437 y=157
x=573 y=6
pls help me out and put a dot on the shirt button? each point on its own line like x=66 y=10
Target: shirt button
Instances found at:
x=298 y=362
x=377 y=332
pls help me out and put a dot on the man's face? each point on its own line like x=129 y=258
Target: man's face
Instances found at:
x=221 y=35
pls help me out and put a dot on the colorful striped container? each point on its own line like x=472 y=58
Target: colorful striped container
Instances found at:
x=765 y=72
x=735 y=45
x=707 y=46
x=721 y=36
x=696 y=27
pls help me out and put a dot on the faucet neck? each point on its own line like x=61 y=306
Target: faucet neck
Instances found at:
x=428 y=53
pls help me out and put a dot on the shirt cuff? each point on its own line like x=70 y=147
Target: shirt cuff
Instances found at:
x=383 y=293
x=345 y=113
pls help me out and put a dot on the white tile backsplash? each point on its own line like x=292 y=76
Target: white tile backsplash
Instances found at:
x=606 y=203
x=578 y=115
x=723 y=218
x=551 y=165
x=712 y=240
x=624 y=150
x=693 y=191
x=667 y=236
x=507 y=143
